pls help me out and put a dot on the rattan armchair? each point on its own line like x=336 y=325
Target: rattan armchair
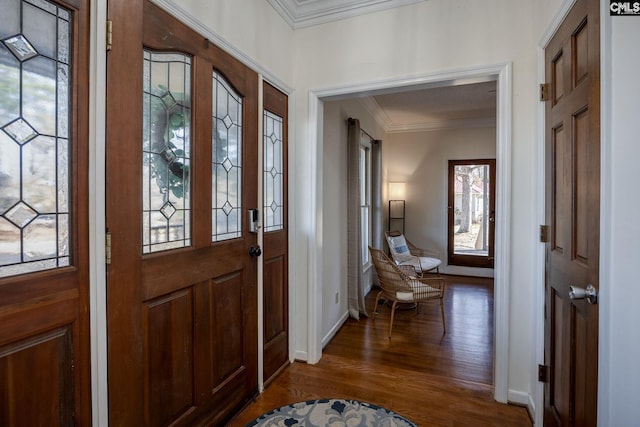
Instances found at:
x=401 y=285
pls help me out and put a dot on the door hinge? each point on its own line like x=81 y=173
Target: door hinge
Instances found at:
x=545 y=91
x=544 y=233
x=543 y=373
x=107 y=247
x=109 y=35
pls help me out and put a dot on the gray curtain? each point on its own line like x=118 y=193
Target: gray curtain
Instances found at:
x=376 y=194
x=355 y=289
x=376 y=199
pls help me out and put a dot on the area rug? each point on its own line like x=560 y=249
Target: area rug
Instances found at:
x=331 y=413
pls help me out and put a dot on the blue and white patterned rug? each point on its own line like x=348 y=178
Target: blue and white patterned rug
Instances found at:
x=331 y=412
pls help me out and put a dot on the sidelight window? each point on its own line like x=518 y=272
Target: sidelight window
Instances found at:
x=35 y=137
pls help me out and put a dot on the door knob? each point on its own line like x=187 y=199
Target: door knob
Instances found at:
x=590 y=294
x=255 y=251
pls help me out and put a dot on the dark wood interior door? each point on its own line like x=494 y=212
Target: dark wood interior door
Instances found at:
x=44 y=258
x=275 y=252
x=572 y=61
x=182 y=173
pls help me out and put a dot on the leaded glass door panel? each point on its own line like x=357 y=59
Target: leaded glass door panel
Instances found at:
x=275 y=241
x=44 y=333
x=182 y=172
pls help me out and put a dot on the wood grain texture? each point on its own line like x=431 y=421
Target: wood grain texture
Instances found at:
x=432 y=379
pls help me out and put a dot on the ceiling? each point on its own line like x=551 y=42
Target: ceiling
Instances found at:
x=443 y=106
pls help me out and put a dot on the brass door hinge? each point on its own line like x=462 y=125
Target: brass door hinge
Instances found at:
x=543 y=373
x=545 y=91
x=107 y=247
x=544 y=233
x=109 y=35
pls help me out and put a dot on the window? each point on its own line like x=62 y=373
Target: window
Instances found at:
x=365 y=197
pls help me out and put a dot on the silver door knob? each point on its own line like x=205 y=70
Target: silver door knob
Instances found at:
x=590 y=294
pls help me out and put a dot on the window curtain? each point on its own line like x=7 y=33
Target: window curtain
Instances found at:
x=355 y=290
x=376 y=194
x=376 y=199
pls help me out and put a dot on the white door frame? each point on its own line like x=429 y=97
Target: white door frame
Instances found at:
x=502 y=73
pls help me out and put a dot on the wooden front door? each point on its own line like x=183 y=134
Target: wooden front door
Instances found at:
x=572 y=211
x=275 y=253
x=44 y=257
x=181 y=175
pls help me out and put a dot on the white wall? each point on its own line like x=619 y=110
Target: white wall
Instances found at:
x=619 y=378
x=251 y=28
x=421 y=161
x=334 y=205
x=429 y=38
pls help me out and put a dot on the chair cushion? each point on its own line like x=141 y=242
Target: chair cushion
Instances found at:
x=418 y=287
x=399 y=249
x=422 y=263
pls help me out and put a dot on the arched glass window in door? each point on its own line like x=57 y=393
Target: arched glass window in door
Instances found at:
x=166 y=151
x=226 y=216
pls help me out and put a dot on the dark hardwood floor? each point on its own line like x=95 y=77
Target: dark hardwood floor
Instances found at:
x=430 y=378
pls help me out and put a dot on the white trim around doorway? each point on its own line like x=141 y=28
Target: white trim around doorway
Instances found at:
x=502 y=73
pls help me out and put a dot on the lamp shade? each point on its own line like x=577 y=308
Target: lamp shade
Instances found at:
x=397 y=190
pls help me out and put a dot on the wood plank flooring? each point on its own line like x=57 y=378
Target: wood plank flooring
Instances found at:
x=430 y=378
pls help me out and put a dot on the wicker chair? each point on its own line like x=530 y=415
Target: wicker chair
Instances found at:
x=401 y=285
x=404 y=252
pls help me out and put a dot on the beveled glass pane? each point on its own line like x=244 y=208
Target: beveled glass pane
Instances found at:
x=63 y=175
x=63 y=41
x=10 y=249
x=39 y=27
x=35 y=89
x=9 y=173
x=273 y=172
x=40 y=238
x=9 y=18
x=9 y=86
x=45 y=5
x=39 y=84
x=226 y=161
x=39 y=164
x=21 y=47
x=63 y=100
x=166 y=146
x=63 y=235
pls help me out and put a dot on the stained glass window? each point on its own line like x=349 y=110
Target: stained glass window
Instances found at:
x=166 y=146
x=273 y=172
x=226 y=214
x=35 y=85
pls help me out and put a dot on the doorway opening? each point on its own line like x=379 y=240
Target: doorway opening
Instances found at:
x=502 y=75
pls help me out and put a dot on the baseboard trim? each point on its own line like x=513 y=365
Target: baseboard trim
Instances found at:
x=301 y=356
x=332 y=333
x=523 y=399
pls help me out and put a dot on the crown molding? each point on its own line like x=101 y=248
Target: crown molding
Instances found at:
x=300 y=14
x=381 y=117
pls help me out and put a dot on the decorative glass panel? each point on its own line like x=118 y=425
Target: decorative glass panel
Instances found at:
x=35 y=90
x=166 y=146
x=273 y=172
x=226 y=214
